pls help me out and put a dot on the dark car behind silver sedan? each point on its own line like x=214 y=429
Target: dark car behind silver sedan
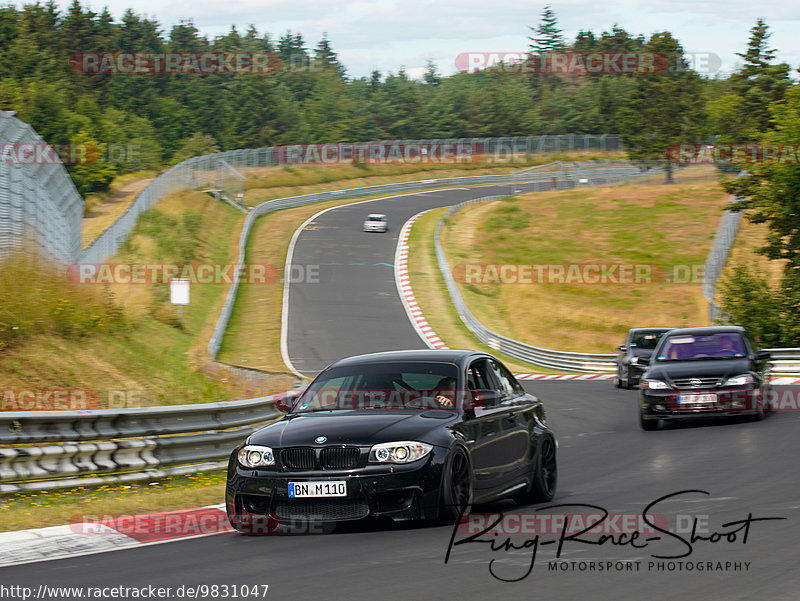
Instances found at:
x=639 y=345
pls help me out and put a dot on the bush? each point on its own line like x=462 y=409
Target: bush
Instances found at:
x=752 y=303
x=36 y=298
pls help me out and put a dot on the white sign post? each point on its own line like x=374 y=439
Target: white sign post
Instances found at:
x=179 y=294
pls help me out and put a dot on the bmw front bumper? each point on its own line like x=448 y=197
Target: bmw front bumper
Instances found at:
x=398 y=491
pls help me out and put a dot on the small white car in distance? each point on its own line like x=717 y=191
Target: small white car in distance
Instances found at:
x=376 y=222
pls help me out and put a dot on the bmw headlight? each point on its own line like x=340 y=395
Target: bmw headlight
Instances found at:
x=654 y=384
x=253 y=455
x=740 y=380
x=398 y=452
x=634 y=360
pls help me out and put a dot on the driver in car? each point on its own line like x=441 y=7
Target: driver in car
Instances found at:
x=446 y=392
x=728 y=347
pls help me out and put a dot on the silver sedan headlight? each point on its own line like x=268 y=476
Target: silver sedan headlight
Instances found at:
x=654 y=384
x=740 y=380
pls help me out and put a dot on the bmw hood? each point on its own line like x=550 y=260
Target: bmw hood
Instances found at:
x=350 y=427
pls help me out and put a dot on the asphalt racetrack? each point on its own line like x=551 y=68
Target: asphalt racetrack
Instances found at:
x=718 y=478
x=605 y=460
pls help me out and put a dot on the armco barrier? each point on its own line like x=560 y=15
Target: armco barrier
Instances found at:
x=203 y=172
x=112 y=445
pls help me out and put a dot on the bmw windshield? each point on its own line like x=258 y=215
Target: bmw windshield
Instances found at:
x=381 y=386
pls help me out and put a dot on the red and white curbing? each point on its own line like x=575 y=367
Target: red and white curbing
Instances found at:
x=407 y=294
x=564 y=376
x=98 y=534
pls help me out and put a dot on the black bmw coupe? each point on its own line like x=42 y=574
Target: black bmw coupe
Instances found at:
x=408 y=435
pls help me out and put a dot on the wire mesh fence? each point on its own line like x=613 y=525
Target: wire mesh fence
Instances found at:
x=38 y=201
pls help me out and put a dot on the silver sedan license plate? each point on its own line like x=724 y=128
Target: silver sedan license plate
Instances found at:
x=697 y=399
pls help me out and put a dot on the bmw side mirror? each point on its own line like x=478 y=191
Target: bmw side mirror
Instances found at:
x=482 y=399
x=622 y=348
x=763 y=356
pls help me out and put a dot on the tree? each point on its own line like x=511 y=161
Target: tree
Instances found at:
x=547 y=36
x=771 y=195
x=759 y=83
x=325 y=58
x=771 y=192
x=197 y=145
x=431 y=76
x=663 y=108
x=91 y=172
x=749 y=301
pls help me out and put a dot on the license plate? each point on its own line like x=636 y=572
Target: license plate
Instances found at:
x=697 y=399
x=327 y=488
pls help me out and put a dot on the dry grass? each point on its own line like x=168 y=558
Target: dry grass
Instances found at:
x=102 y=210
x=433 y=298
x=54 y=508
x=750 y=237
x=649 y=225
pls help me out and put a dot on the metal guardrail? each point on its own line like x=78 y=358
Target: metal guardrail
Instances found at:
x=552 y=359
x=46 y=450
x=784 y=360
x=122 y=445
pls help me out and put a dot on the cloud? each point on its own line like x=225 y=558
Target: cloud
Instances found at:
x=388 y=34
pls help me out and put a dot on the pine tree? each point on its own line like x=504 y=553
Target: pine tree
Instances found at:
x=431 y=76
x=547 y=36
x=325 y=58
x=759 y=83
x=663 y=108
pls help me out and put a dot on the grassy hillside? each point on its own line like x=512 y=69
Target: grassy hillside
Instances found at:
x=662 y=231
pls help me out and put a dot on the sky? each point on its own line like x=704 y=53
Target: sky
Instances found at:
x=387 y=35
